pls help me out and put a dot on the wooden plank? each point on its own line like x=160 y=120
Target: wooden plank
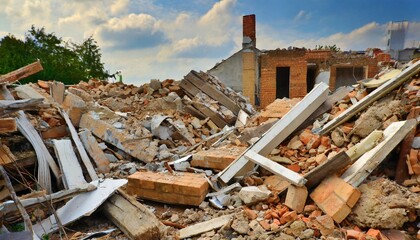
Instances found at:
x=365 y=145
x=361 y=169
x=280 y=130
x=212 y=92
x=95 y=152
x=72 y=171
x=21 y=73
x=10 y=106
x=79 y=146
x=214 y=116
x=191 y=110
x=8 y=207
x=80 y=206
x=370 y=98
x=189 y=88
x=275 y=168
x=8 y=125
x=326 y=106
x=57 y=91
x=203 y=227
x=43 y=155
x=401 y=172
x=131 y=217
x=6 y=157
x=333 y=165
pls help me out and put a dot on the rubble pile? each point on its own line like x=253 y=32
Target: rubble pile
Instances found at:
x=192 y=159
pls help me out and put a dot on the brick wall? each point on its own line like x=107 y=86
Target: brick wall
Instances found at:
x=383 y=57
x=248 y=27
x=295 y=59
x=322 y=55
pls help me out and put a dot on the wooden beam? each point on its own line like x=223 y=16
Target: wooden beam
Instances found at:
x=212 y=92
x=72 y=171
x=370 y=98
x=22 y=72
x=214 y=116
x=79 y=146
x=95 y=152
x=8 y=207
x=11 y=106
x=203 y=227
x=275 y=168
x=80 y=206
x=189 y=88
x=326 y=106
x=333 y=165
x=6 y=157
x=8 y=125
x=131 y=217
x=280 y=130
x=369 y=161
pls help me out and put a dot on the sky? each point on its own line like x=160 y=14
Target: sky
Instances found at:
x=165 y=39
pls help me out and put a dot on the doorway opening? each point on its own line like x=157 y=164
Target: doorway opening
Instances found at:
x=347 y=76
x=282 y=82
x=310 y=77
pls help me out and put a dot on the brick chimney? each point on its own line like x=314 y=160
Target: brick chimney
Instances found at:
x=248 y=27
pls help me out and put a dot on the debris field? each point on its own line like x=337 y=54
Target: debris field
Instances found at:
x=193 y=159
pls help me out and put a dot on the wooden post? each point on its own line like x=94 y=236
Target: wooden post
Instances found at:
x=22 y=72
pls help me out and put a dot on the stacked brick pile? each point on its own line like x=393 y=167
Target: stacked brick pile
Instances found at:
x=178 y=188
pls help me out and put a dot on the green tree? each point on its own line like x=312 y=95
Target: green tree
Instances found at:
x=63 y=61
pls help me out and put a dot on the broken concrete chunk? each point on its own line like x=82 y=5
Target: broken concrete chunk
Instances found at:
x=373 y=118
x=383 y=204
x=338 y=138
x=251 y=195
x=283 y=160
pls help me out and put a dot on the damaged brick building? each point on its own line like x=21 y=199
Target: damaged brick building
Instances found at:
x=265 y=75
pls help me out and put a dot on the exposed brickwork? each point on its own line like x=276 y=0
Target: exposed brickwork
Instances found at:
x=294 y=59
x=217 y=159
x=383 y=57
x=249 y=30
x=335 y=197
x=179 y=188
x=315 y=55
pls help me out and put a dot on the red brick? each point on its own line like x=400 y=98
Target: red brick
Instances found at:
x=335 y=197
x=217 y=159
x=180 y=188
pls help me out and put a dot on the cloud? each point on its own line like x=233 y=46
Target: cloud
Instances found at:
x=132 y=32
x=302 y=15
x=211 y=35
x=119 y=6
